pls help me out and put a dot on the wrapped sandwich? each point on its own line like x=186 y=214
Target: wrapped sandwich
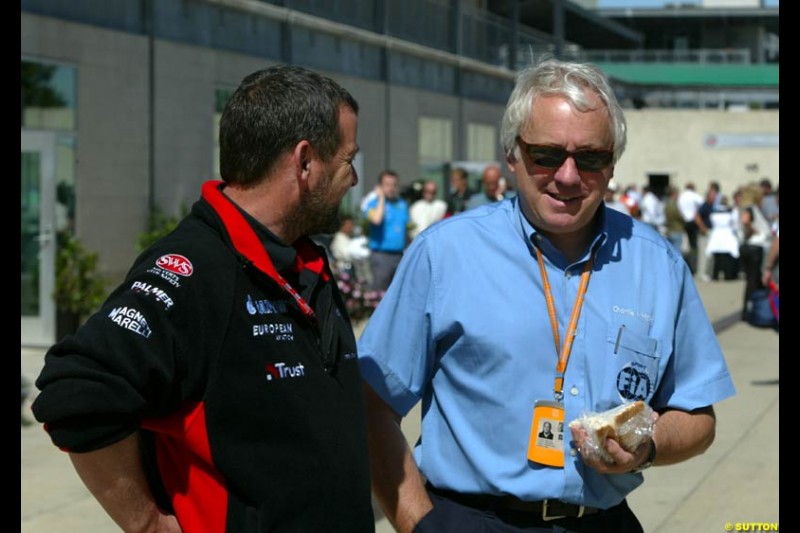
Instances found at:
x=630 y=424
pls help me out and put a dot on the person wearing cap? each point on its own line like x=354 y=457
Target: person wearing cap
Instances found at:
x=537 y=309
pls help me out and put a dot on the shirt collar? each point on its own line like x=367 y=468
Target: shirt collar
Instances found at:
x=531 y=235
x=283 y=256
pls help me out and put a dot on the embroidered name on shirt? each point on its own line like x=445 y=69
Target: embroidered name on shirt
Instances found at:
x=647 y=317
x=277 y=371
x=130 y=319
x=281 y=331
x=155 y=292
x=172 y=278
x=265 y=307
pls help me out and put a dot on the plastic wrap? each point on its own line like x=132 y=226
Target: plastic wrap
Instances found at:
x=630 y=424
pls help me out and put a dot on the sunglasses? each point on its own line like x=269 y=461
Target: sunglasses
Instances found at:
x=554 y=156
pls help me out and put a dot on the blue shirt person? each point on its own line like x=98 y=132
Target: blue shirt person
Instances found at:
x=465 y=329
x=490 y=180
x=388 y=218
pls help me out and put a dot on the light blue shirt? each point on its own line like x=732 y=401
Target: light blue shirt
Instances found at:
x=479 y=199
x=390 y=235
x=464 y=328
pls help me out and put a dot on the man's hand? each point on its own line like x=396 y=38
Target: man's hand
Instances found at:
x=115 y=477
x=766 y=277
x=624 y=461
x=376 y=214
x=165 y=523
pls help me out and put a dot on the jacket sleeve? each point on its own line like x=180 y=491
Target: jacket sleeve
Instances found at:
x=128 y=361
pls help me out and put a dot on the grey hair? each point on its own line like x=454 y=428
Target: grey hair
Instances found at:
x=570 y=80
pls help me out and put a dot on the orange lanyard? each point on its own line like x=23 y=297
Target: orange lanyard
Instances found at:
x=564 y=350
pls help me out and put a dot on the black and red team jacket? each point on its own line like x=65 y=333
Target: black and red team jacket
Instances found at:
x=246 y=390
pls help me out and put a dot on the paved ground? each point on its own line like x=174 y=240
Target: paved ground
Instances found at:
x=735 y=482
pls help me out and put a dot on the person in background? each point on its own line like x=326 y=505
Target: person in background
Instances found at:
x=426 y=210
x=610 y=198
x=505 y=189
x=341 y=243
x=179 y=400
x=772 y=263
x=769 y=201
x=460 y=192
x=388 y=220
x=757 y=237
x=770 y=272
x=723 y=242
x=705 y=261
x=674 y=225
x=652 y=210
x=631 y=199
x=490 y=179
x=689 y=201
x=552 y=264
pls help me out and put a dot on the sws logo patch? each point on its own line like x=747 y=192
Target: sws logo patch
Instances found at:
x=175 y=263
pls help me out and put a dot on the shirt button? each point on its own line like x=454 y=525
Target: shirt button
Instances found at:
x=568 y=274
x=574 y=391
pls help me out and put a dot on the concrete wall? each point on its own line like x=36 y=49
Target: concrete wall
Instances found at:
x=112 y=167
x=112 y=130
x=674 y=142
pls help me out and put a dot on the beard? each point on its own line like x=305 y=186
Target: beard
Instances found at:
x=317 y=213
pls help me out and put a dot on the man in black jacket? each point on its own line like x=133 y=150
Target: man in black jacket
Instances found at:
x=217 y=389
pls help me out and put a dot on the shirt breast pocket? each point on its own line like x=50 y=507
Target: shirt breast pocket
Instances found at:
x=633 y=359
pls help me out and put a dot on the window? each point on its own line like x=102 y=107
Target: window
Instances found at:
x=481 y=142
x=48 y=96
x=435 y=140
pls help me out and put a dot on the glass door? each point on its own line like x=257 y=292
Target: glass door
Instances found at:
x=38 y=243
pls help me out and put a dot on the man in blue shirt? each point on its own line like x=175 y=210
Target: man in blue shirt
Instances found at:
x=473 y=322
x=490 y=180
x=388 y=218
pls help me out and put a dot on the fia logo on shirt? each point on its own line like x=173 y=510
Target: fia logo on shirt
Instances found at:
x=634 y=384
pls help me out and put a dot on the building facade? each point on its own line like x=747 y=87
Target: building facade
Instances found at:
x=121 y=103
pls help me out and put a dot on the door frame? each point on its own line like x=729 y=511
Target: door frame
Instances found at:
x=41 y=330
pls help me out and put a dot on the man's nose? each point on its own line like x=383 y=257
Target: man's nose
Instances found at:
x=568 y=173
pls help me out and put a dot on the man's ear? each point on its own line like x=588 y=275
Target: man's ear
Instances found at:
x=511 y=160
x=302 y=161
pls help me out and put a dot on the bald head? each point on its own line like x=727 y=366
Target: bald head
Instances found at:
x=491 y=180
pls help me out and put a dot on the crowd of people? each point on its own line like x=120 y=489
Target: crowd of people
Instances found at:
x=394 y=218
x=720 y=236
